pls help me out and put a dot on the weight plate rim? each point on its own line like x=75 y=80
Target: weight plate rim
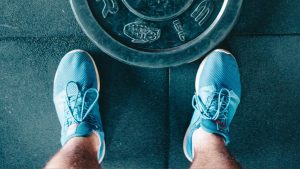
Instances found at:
x=168 y=58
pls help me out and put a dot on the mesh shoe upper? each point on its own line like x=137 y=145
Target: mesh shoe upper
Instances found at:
x=75 y=95
x=220 y=69
x=216 y=98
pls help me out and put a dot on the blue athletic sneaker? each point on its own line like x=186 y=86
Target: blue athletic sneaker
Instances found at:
x=75 y=95
x=218 y=92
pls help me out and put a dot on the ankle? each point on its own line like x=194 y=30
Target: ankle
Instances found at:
x=204 y=141
x=91 y=143
x=94 y=141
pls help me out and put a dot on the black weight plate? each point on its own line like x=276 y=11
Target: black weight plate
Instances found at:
x=156 y=33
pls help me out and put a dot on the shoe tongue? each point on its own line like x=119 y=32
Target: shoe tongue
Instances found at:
x=206 y=93
x=83 y=129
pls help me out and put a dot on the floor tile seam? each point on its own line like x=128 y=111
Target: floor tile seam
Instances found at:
x=169 y=118
x=264 y=35
x=45 y=38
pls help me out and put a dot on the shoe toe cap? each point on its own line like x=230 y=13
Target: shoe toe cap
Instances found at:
x=75 y=66
x=221 y=70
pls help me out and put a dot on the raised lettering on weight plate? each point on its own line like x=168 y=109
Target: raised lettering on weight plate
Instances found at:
x=110 y=6
x=203 y=12
x=179 y=29
x=140 y=32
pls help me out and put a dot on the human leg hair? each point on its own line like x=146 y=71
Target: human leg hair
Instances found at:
x=79 y=152
x=210 y=152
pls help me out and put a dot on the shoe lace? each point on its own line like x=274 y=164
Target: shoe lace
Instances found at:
x=216 y=107
x=79 y=105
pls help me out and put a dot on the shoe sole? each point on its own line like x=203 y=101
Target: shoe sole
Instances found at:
x=104 y=148
x=199 y=72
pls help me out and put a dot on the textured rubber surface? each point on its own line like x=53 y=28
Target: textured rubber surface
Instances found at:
x=269 y=67
x=42 y=18
x=269 y=103
x=133 y=105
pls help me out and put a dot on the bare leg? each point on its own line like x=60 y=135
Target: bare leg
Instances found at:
x=210 y=152
x=79 y=152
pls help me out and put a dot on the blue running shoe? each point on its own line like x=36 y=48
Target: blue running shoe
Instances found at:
x=75 y=95
x=218 y=92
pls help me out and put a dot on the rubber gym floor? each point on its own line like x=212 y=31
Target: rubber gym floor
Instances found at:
x=146 y=111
